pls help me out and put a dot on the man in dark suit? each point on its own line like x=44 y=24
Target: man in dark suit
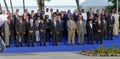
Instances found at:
x=60 y=28
x=38 y=14
x=75 y=15
x=20 y=31
x=64 y=17
x=26 y=21
x=31 y=31
x=42 y=27
x=15 y=19
x=99 y=27
x=48 y=24
x=110 y=23
x=54 y=30
x=90 y=13
x=27 y=13
x=89 y=29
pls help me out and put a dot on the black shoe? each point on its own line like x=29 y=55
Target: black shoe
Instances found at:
x=68 y=44
x=17 y=46
x=40 y=45
x=56 y=44
x=28 y=45
x=44 y=44
x=7 y=46
x=32 y=45
x=111 y=39
x=21 y=45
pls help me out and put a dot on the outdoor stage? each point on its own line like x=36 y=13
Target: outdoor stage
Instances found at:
x=62 y=47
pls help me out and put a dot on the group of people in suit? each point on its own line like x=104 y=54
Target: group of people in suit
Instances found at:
x=49 y=26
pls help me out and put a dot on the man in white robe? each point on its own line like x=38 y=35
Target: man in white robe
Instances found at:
x=116 y=25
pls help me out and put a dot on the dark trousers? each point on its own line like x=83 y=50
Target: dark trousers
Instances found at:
x=55 y=39
x=90 y=38
x=19 y=40
x=99 y=37
x=30 y=39
x=42 y=39
x=105 y=33
x=60 y=36
x=110 y=33
x=47 y=36
x=25 y=37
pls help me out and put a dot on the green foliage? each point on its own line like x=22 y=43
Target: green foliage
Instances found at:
x=100 y=50
x=114 y=5
x=106 y=51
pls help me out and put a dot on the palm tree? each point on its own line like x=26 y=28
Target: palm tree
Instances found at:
x=78 y=8
x=41 y=4
x=11 y=6
x=0 y=8
x=23 y=5
x=5 y=5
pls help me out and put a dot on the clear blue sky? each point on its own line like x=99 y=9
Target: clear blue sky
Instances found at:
x=34 y=3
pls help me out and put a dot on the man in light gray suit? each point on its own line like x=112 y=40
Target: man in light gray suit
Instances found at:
x=80 y=30
x=71 y=30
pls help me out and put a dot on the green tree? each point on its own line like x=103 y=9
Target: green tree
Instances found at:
x=0 y=8
x=6 y=5
x=78 y=7
x=23 y=5
x=11 y=6
x=114 y=5
x=41 y=4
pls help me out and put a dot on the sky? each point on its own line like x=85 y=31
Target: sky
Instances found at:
x=34 y=3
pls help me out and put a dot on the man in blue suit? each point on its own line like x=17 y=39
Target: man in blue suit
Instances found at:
x=110 y=21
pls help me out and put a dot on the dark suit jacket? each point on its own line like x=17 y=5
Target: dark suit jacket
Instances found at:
x=38 y=15
x=99 y=26
x=42 y=26
x=55 y=29
x=48 y=23
x=64 y=17
x=31 y=28
x=26 y=23
x=110 y=21
x=11 y=26
x=20 y=28
x=75 y=17
x=106 y=16
x=15 y=18
x=88 y=15
x=61 y=25
x=89 y=29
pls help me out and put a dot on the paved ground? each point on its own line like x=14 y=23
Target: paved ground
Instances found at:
x=50 y=55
